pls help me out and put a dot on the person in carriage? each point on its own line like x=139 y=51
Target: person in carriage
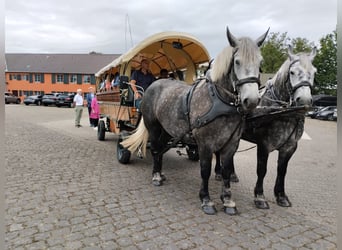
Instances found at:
x=142 y=78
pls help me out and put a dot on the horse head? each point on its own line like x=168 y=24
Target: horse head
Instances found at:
x=301 y=76
x=245 y=68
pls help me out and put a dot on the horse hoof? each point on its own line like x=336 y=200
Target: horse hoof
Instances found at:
x=210 y=210
x=283 y=201
x=157 y=183
x=157 y=179
x=208 y=207
x=163 y=178
x=261 y=204
x=218 y=177
x=234 y=178
x=230 y=210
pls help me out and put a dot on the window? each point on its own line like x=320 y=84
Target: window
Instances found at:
x=73 y=78
x=59 y=78
x=86 y=78
x=26 y=77
x=37 y=77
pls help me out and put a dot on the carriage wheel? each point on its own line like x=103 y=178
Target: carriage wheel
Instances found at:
x=122 y=153
x=192 y=151
x=101 y=131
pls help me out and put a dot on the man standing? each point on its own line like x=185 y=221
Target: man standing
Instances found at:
x=78 y=103
x=90 y=97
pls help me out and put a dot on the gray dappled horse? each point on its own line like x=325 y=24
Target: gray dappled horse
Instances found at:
x=290 y=87
x=209 y=114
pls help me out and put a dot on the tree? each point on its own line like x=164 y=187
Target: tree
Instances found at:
x=274 y=52
x=326 y=64
x=301 y=45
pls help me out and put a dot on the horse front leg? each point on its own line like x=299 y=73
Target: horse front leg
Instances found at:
x=279 y=188
x=207 y=205
x=262 y=158
x=226 y=194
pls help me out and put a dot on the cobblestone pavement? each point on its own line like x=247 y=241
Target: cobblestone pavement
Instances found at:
x=66 y=190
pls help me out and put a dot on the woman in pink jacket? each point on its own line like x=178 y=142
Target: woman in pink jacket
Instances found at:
x=95 y=112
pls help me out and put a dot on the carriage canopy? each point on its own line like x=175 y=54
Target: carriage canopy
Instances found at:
x=174 y=51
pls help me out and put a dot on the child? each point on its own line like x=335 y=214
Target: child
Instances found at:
x=95 y=112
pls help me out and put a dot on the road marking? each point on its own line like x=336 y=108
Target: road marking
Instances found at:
x=305 y=136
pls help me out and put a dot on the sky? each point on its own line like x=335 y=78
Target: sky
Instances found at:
x=113 y=26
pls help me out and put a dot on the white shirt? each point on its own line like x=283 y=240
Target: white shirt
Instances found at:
x=78 y=100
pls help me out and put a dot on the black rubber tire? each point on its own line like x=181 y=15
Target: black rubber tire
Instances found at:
x=123 y=155
x=192 y=151
x=101 y=131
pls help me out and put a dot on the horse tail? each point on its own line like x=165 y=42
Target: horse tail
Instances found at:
x=138 y=139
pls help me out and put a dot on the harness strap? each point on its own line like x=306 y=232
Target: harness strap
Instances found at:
x=301 y=84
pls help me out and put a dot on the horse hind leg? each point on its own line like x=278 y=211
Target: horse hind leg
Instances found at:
x=158 y=141
x=218 y=169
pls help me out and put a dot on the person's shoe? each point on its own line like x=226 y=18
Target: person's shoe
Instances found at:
x=91 y=125
x=95 y=128
x=79 y=125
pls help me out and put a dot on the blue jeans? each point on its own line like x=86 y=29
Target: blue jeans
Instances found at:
x=138 y=103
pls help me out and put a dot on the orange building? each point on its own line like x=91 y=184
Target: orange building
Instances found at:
x=32 y=74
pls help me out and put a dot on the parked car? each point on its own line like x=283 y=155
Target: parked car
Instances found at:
x=50 y=99
x=33 y=99
x=313 y=112
x=326 y=113
x=335 y=115
x=10 y=98
x=65 y=100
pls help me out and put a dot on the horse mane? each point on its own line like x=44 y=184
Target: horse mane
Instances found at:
x=246 y=47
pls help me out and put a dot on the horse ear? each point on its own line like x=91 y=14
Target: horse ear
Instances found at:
x=231 y=39
x=313 y=53
x=262 y=38
x=290 y=52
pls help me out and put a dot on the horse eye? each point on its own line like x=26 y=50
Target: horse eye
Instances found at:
x=292 y=72
x=237 y=62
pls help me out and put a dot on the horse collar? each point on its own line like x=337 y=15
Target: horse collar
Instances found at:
x=219 y=107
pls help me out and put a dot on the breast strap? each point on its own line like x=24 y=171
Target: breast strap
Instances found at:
x=219 y=106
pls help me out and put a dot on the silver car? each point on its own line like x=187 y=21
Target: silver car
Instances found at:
x=10 y=98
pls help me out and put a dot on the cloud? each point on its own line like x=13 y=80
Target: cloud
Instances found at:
x=111 y=26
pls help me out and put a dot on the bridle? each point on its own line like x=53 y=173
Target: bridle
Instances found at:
x=290 y=89
x=239 y=82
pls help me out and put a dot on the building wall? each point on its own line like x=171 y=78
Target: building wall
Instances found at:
x=25 y=84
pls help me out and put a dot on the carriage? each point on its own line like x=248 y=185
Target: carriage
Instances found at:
x=181 y=54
